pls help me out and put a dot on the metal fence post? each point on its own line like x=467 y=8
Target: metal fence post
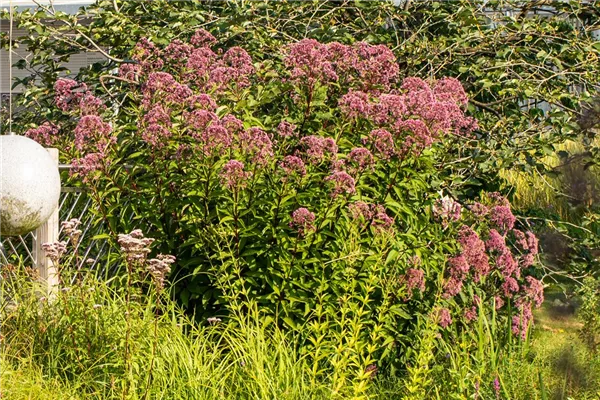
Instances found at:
x=47 y=233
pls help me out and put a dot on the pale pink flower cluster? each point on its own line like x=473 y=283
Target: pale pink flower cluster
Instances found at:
x=71 y=229
x=55 y=251
x=134 y=246
x=342 y=183
x=303 y=221
x=159 y=267
x=233 y=175
x=316 y=148
x=292 y=167
x=414 y=278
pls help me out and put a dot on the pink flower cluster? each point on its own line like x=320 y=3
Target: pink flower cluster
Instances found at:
x=72 y=95
x=199 y=66
x=134 y=246
x=45 y=134
x=256 y=145
x=92 y=130
x=417 y=116
x=414 y=278
x=303 y=221
x=444 y=318
x=286 y=129
x=292 y=167
x=361 y=159
x=369 y=67
x=233 y=175
x=159 y=267
x=316 y=148
x=342 y=183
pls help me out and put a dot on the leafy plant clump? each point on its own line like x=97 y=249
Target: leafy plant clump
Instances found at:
x=308 y=183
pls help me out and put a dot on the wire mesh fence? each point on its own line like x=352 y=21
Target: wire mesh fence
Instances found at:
x=91 y=252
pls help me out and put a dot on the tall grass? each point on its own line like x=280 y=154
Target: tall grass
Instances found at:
x=71 y=346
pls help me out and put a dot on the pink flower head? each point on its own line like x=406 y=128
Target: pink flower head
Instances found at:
x=233 y=124
x=233 y=175
x=444 y=318
x=382 y=142
x=90 y=104
x=499 y=302
x=361 y=211
x=159 y=267
x=177 y=52
x=532 y=243
x=507 y=264
x=355 y=104
x=317 y=147
x=415 y=279
x=202 y=101
x=520 y=239
x=199 y=64
x=155 y=126
x=239 y=61
x=199 y=119
x=522 y=321
x=54 y=251
x=381 y=221
x=302 y=220
x=68 y=93
x=134 y=246
x=129 y=71
x=416 y=135
x=452 y=287
x=495 y=242
x=92 y=130
x=471 y=314
x=308 y=61
x=292 y=166
x=459 y=268
x=203 y=38
x=502 y=217
x=286 y=129
x=342 y=183
x=534 y=290
x=474 y=252
x=451 y=90
x=45 y=134
x=510 y=287
x=362 y=158
x=216 y=140
x=257 y=144
x=390 y=108
x=375 y=64
x=87 y=165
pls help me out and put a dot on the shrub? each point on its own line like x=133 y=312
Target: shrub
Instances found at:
x=307 y=183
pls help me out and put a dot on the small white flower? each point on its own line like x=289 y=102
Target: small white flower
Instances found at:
x=97 y=306
x=213 y=320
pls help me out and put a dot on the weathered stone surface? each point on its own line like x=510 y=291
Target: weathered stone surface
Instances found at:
x=29 y=185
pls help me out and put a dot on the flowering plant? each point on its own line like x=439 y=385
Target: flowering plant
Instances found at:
x=309 y=185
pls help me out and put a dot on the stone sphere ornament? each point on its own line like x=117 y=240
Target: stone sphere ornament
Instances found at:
x=29 y=185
